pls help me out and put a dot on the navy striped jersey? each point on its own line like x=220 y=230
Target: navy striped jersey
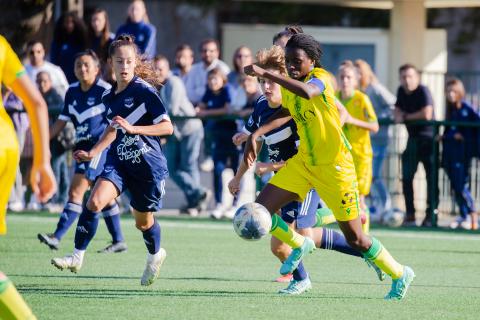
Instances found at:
x=87 y=113
x=140 y=104
x=282 y=142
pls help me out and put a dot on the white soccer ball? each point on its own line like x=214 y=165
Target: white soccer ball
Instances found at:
x=393 y=217
x=252 y=221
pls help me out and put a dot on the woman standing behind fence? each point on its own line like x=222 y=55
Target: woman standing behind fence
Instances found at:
x=382 y=101
x=458 y=153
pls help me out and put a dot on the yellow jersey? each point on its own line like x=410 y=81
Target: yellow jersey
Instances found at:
x=10 y=69
x=318 y=121
x=360 y=107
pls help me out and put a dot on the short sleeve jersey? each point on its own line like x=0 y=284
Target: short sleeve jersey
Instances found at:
x=87 y=112
x=360 y=107
x=10 y=69
x=140 y=104
x=217 y=101
x=281 y=142
x=317 y=120
x=413 y=102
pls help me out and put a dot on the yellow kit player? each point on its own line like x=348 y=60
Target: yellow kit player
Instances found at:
x=323 y=161
x=12 y=74
x=357 y=128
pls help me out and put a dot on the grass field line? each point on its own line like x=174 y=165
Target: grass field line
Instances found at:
x=221 y=226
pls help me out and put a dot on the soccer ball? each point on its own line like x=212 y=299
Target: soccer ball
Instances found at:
x=252 y=221
x=393 y=217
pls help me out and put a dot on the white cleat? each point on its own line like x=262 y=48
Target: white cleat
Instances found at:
x=152 y=269
x=71 y=263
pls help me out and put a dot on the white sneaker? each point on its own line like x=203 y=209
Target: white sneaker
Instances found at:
x=207 y=165
x=230 y=213
x=71 y=262
x=218 y=212
x=152 y=269
x=16 y=206
x=462 y=223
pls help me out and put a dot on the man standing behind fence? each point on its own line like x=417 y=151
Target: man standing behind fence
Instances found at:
x=414 y=103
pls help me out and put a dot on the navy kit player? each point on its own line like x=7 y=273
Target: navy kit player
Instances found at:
x=282 y=144
x=134 y=161
x=84 y=108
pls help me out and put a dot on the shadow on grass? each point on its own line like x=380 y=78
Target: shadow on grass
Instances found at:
x=147 y=292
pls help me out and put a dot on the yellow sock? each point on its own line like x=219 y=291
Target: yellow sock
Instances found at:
x=284 y=233
x=380 y=256
x=12 y=305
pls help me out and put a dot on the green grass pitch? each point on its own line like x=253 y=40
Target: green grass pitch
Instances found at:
x=210 y=273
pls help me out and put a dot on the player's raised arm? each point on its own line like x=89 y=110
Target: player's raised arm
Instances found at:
x=42 y=179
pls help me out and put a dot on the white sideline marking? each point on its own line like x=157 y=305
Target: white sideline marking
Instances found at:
x=215 y=226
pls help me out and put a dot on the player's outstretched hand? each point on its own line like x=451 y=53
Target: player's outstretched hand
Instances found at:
x=121 y=123
x=254 y=71
x=81 y=156
x=43 y=182
x=234 y=186
x=250 y=153
x=239 y=138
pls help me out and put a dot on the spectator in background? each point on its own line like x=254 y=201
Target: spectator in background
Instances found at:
x=183 y=147
x=69 y=38
x=242 y=57
x=458 y=153
x=183 y=62
x=414 y=102
x=99 y=38
x=59 y=156
x=225 y=154
x=252 y=91
x=383 y=102
x=197 y=81
x=37 y=63
x=16 y=111
x=138 y=26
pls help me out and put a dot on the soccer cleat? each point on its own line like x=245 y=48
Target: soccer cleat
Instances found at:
x=49 y=239
x=284 y=279
x=296 y=256
x=297 y=287
x=380 y=274
x=152 y=269
x=114 y=248
x=400 y=286
x=70 y=262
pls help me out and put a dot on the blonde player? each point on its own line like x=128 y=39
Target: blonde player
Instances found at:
x=357 y=129
x=12 y=74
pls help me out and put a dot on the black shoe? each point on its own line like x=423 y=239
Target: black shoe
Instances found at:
x=114 y=248
x=427 y=222
x=204 y=200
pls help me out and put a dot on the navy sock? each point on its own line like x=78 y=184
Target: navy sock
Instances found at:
x=86 y=229
x=67 y=218
x=151 y=237
x=300 y=273
x=111 y=215
x=333 y=240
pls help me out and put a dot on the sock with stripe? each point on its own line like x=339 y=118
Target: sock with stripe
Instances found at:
x=333 y=240
x=151 y=237
x=380 y=256
x=284 y=233
x=67 y=218
x=86 y=229
x=111 y=215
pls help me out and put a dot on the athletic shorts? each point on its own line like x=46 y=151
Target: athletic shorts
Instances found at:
x=9 y=158
x=335 y=183
x=145 y=194
x=363 y=168
x=304 y=213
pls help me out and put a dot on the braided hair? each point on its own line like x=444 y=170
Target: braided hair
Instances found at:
x=308 y=44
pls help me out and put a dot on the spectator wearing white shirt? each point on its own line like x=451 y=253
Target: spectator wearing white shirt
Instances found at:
x=37 y=63
x=196 y=84
x=183 y=62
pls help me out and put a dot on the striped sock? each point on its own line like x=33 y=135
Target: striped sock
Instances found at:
x=333 y=240
x=67 y=218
